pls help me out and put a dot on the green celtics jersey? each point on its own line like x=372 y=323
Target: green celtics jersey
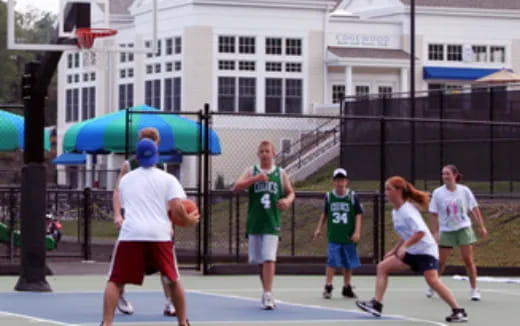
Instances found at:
x=263 y=217
x=341 y=216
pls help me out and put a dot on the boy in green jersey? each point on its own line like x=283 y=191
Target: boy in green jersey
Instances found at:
x=343 y=213
x=270 y=192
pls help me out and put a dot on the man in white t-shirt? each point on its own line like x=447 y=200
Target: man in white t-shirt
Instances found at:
x=144 y=244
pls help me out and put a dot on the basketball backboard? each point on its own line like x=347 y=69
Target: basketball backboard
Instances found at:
x=101 y=16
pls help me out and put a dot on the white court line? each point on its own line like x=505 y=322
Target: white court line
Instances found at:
x=34 y=319
x=333 y=309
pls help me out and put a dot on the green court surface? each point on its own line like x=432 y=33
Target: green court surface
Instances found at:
x=405 y=302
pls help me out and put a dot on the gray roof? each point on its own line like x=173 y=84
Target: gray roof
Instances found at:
x=369 y=53
x=477 y=4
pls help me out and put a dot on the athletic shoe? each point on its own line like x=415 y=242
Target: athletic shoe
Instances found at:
x=373 y=306
x=348 y=293
x=475 y=295
x=458 y=315
x=268 y=302
x=124 y=306
x=429 y=292
x=169 y=309
x=327 y=291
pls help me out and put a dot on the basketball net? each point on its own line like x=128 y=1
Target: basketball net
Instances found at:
x=93 y=57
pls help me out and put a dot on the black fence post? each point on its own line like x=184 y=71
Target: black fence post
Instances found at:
x=87 y=217
x=127 y=133
x=207 y=189
x=342 y=141
x=491 y=143
x=230 y=225
x=199 y=188
x=441 y=132
x=382 y=176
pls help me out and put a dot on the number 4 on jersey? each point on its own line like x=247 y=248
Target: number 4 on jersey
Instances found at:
x=266 y=201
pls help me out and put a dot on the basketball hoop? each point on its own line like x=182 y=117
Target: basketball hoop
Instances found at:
x=86 y=37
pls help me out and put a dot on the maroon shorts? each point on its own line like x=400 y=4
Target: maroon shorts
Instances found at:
x=133 y=259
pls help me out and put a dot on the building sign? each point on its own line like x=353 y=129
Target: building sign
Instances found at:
x=364 y=40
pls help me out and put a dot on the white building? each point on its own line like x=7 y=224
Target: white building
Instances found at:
x=283 y=56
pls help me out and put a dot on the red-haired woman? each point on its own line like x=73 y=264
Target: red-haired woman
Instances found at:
x=449 y=207
x=416 y=249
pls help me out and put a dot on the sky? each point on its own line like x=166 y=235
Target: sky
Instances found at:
x=48 y=5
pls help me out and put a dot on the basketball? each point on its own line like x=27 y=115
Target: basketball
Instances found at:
x=189 y=206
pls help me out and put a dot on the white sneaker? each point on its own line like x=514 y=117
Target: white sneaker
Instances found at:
x=124 y=306
x=268 y=301
x=169 y=309
x=429 y=292
x=475 y=295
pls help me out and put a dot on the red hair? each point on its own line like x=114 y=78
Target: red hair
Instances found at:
x=409 y=192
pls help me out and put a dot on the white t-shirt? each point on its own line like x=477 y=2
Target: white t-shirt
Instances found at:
x=144 y=195
x=453 y=207
x=407 y=222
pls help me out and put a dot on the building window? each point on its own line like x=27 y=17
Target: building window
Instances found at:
x=226 y=65
x=92 y=76
x=68 y=105
x=273 y=46
x=293 y=46
x=362 y=90
x=130 y=72
x=480 y=53
x=226 y=44
x=69 y=61
x=246 y=94
x=454 y=52
x=130 y=54
x=168 y=46
x=226 y=94
x=273 y=66
x=157 y=68
x=246 y=45
x=338 y=93
x=149 y=69
x=88 y=103
x=293 y=96
x=75 y=104
x=85 y=77
x=122 y=55
x=385 y=91
x=152 y=93
x=158 y=53
x=76 y=60
x=148 y=44
x=76 y=78
x=178 y=45
x=172 y=94
x=122 y=73
x=246 y=65
x=293 y=67
x=498 y=54
x=168 y=67
x=273 y=95
x=436 y=52
x=178 y=66
x=126 y=96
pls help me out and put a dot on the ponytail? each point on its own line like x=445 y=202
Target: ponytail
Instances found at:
x=409 y=192
x=455 y=171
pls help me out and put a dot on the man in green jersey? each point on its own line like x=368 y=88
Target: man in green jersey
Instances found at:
x=343 y=214
x=270 y=192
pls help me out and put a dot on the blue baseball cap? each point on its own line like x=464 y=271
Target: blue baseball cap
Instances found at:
x=146 y=153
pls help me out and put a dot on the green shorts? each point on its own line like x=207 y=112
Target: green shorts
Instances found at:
x=457 y=238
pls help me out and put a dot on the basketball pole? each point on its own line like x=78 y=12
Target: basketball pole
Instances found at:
x=36 y=80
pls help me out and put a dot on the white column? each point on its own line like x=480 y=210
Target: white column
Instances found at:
x=189 y=171
x=111 y=171
x=404 y=80
x=349 y=90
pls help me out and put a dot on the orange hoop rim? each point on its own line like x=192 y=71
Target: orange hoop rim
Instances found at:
x=87 y=35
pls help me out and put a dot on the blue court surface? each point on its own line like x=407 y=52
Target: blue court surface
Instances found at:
x=85 y=308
